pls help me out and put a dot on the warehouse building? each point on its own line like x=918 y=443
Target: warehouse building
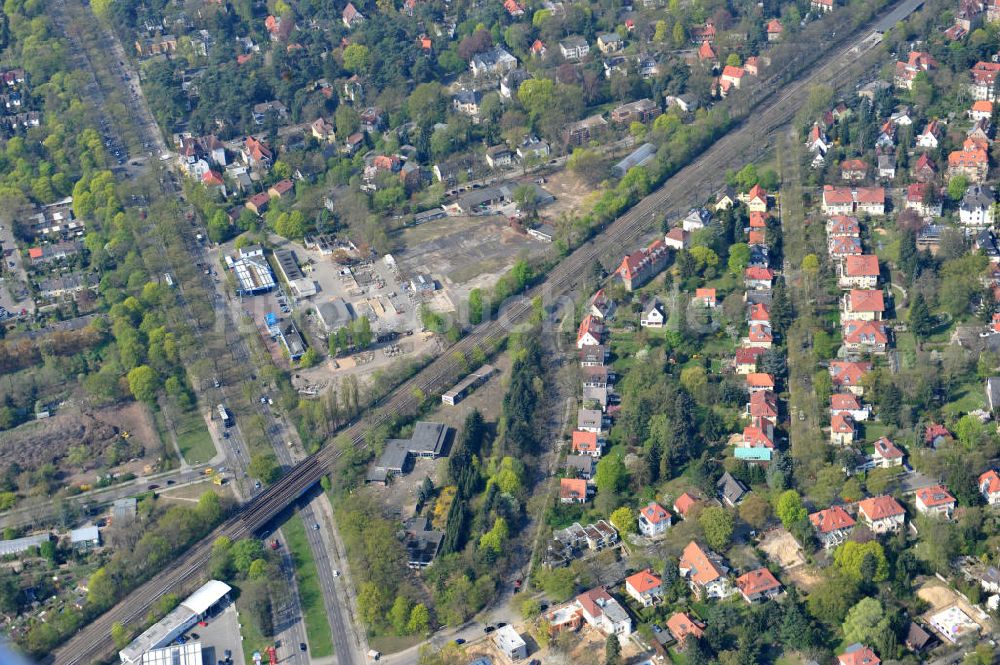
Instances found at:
x=179 y=620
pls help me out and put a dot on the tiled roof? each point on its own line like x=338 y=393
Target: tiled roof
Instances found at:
x=757 y=581
x=880 y=507
x=700 y=563
x=643 y=581
x=937 y=495
x=831 y=519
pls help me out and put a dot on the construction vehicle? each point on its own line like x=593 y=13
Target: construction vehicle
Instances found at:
x=219 y=479
x=209 y=471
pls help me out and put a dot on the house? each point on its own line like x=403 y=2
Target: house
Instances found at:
x=421 y=542
x=759 y=436
x=643 y=110
x=887 y=166
x=842 y=429
x=917 y=639
x=857 y=654
x=573 y=490
x=848 y=375
x=977 y=207
x=492 y=62
x=499 y=156
x=936 y=434
x=993 y=383
x=883 y=514
x=705 y=297
x=853 y=170
x=257 y=203
x=763 y=404
x=862 y=305
x=511 y=82
x=865 y=336
x=273 y=109
x=837 y=200
x=817 y=141
x=590 y=420
x=759 y=381
x=683 y=504
x=642 y=265
x=870 y=200
x=756 y=278
x=731 y=75
x=604 y=613
x=610 y=42
x=467 y=102
x=984 y=75
x=841 y=247
x=989 y=487
x=537 y=49
x=730 y=489
x=323 y=131
x=644 y=587
x=281 y=188
x=756 y=199
x=916 y=62
x=745 y=359
x=682 y=625
x=353 y=143
x=256 y=154
x=533 y=147
x=583 y=131
x=921 y=198
x=581 y=466
x=936 y=500
x=858 y=272
x=822 y=6
x=726 y=198
x=774 y=30
x=509 y=643
x=587 y=443
x=849 y=404
x=759 y=335
x=924 y=170
x=981 y=110
x=971 y=161
x=654 y=519
x=351 y=16
x=842 y=225
x=705 y=572
x=677 y=238
x=886 y=454
x=652 y=315
x=574 y=47
x=513 y=8
x=986 y=243
x=589 y=333
x=757 y=585
x=832 y=526
x=930 y=137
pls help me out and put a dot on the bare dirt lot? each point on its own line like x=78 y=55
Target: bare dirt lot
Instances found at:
x=780 y=547
x=41 y=441
x=570 y=191
x=463 y=253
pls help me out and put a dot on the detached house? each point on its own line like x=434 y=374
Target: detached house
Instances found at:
x=984 y=76
x=853 y=170
x=930 y=137
x=589 y=333
x=981 y=110
x=971 y=161
x=683 y=505
x=906 y=72
x=652 y=315
x=921 y=198
x=862 y=305
x=745 y=359
x=351 y=16
x=654 y=520
x=705 y=572
x=848 y=375
x=842 y=429
x=610 y=42
x=756 y=278
x=774 y=30
x=588 y=443
x=574 y=47
x=757 y=585
x=645 y=587
x=573 y=490
x=989 y=487
x=832 y=526
x=866 y=336
x=849 y=404
x=925 y=170
x=977 y=207
x=936 y=501
x=756 y=199
x=857 y=654
x=604 y=613
x=493 y=62
x=681 y=626
x=858 y=272
x=883 y=514
x=886 y=454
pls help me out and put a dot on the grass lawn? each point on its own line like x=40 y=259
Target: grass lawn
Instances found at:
x=310 y=596
x=906 y=344
x=969 y=398
x=393 y=643
x=874 y=430
x=193 y=438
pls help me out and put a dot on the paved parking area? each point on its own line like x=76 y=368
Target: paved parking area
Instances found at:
x=221 y=633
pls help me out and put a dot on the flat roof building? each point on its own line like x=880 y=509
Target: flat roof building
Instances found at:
x=175 y=654
x=287 y=265
x=467 y=385
x=335 y=314
x=19 y=545
x=252 y=271
x=178 y=620
x=510 y=644
x=87 y=536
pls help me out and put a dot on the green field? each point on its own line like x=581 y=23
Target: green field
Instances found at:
x=310 y=596
x=253 y=640
x=194 y=439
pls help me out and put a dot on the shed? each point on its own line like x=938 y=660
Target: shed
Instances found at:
x=84 y=537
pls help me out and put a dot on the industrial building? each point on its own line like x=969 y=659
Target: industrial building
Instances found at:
x=252 y=271
x=334 y=315
x=175 y=654
x=288 y=266
x=172 y=626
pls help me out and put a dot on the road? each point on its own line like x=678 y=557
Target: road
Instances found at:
x=774 y=106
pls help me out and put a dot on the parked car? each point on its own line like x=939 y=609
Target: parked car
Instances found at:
x=302 y=646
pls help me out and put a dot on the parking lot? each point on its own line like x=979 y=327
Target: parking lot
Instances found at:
x=221 y=634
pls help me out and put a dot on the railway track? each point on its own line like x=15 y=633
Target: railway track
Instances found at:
x=686 y=188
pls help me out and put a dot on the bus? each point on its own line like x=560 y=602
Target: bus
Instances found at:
x=227 y=420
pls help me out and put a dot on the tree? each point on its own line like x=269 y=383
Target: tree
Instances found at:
x=739 y=257
x=921 y=322
x=660 y=33
x=420 y=620
x=309 y=359
x=611 y=474
x=810 y=265
x=356 y=58
x=399 y=614
x=865 y=621
x=851 y=557
x=624 y=520
x=755 y=510
x=830 y=600
x=957 y=186
x=120 y=634
x=789 y=508
x=612 y=650
x=530 y=609
x=264 y=467
x=143 y=383
x=717 y=524
x=733 y=60
x=526 y=198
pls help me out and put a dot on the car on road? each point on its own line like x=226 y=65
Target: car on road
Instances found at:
x=489 y=629
x=194 y=636
x=153 y=487
x=336 y=573
x=302 y=646
x=535 y=661
x=256 y=485
x=171 y=482
x=228 y=654
x=315 y=526
x=501 y=624
x=459 y=640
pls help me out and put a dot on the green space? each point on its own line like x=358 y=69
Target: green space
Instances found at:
x=193 y=438
x=310 y=595
x=253 y=639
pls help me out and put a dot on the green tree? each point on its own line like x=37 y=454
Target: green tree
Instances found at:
x=755 y=510
x=120 y=634
x=850 y=558
x=624 y=520
x=264 y=467
x=309 y=359
x=494 y=539
x=612 y=650
x=957 y=186
x=733 y=60
x=789 y=508
x=399 y=615
x=356 y=58
x=921 y=322
x=611 y=474
x=143 y=383
x=739 y=257
x=865 y=622
x=717 y=523
x=830 y=600
x=420 y=620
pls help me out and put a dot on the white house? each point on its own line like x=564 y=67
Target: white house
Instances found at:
x=883 y=514
x=705 y=572
x=644 y=587
x=653 y=315
x=654 y=519
x=936 y=500
x=989 y=487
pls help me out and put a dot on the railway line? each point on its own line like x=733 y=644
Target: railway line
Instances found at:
x=688 y=187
